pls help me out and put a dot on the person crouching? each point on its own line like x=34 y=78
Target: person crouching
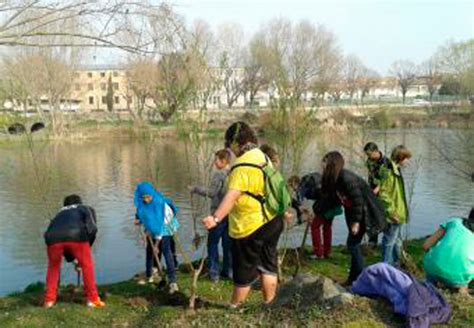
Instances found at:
x=71 y=233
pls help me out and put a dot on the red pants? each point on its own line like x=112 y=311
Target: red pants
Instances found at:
x=82 y=253
x=321 y=249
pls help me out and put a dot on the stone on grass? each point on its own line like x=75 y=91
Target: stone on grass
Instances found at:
x=306 y=290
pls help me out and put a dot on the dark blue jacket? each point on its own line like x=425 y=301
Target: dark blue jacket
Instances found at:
x=72 y=223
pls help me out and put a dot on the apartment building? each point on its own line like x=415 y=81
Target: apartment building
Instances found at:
x=91 y=85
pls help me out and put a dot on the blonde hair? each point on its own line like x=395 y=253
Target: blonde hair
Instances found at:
x=400 y=153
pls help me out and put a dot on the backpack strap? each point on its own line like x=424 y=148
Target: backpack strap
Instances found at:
x=259 y=198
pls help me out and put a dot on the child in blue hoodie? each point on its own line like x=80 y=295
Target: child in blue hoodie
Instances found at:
x=157 y=214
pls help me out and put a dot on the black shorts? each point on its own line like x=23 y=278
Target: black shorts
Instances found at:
x=257 y=253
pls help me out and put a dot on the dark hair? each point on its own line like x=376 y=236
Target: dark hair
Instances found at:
x=400 y=153
x=270 y=152
x=471 y=215
x=72 y=200
x=334 y=165
x=223 y=154
x=240 y=133
x=370 y=147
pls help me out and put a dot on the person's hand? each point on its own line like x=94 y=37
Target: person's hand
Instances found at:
x=209 y=222
x=136 y=222
x=395 y=219
x=288 y=217
x=355 y=227
x=376 y=190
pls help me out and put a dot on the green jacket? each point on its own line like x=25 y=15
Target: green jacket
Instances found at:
x=392 y=194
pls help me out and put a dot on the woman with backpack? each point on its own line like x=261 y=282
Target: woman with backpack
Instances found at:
x=362 y=209
x=309 y=187
x=253 y=228
x=157 y=214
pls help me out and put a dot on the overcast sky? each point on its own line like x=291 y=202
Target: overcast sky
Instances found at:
x=378 y=31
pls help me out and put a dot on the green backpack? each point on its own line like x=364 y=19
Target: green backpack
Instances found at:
x=276 y=198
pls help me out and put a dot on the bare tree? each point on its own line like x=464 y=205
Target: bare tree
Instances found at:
x=255 y=77
x=405 y=72
x=230 y=45
x=299 y=57
x=32 y=23
x=276 y=37
x=142 y=76
x=313 y=53
x=202 y=45
x=41 y=79
x=177 y=81
x=431 y=75
x=353 y=73
x=369 y=79
x=456 y=61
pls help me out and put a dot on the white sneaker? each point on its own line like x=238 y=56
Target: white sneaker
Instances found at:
x=173 y=288
x=98 y=304
x=151 y=280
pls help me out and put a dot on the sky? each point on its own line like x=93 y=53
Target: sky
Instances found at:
x=379 y=32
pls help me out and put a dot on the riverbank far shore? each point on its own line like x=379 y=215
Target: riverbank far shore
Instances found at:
x=133 y=305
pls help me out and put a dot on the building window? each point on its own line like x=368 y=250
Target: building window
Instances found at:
x=103 y=86
x=91 y=100
x=77 y=87
x=116 y=100
x=116 y=86
x=115 y=74
x=90 y=86
x=89 y=75
x=102 y=74
x=104 y=99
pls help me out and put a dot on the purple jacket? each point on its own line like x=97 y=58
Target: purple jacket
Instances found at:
x=420 y=303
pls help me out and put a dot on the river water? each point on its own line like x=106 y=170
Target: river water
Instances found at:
x=105 y=172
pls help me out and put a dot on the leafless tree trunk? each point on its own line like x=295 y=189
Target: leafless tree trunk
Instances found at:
x=405 y=72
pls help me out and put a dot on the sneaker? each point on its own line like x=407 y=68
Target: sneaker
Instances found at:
x=142 y=282
x=48 y=305
x=173 y=288
x=314 y=257
x=97 y=304
x=233 y=306
x=151 y=280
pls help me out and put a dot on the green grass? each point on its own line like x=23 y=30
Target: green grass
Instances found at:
x=132 y=305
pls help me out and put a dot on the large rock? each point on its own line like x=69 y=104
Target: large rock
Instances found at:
x=307 y=290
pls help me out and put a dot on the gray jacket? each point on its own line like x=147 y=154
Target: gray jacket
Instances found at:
x=217 y=189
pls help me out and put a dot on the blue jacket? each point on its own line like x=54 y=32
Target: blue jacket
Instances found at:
x=159 y=216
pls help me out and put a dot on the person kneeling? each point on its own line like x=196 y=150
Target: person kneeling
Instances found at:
x=449 y=258
x=71 y=233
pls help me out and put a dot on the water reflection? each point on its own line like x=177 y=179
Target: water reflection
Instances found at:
x=105 y=172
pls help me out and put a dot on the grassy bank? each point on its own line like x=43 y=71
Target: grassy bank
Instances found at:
x=132 y=305
x=97 y=125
